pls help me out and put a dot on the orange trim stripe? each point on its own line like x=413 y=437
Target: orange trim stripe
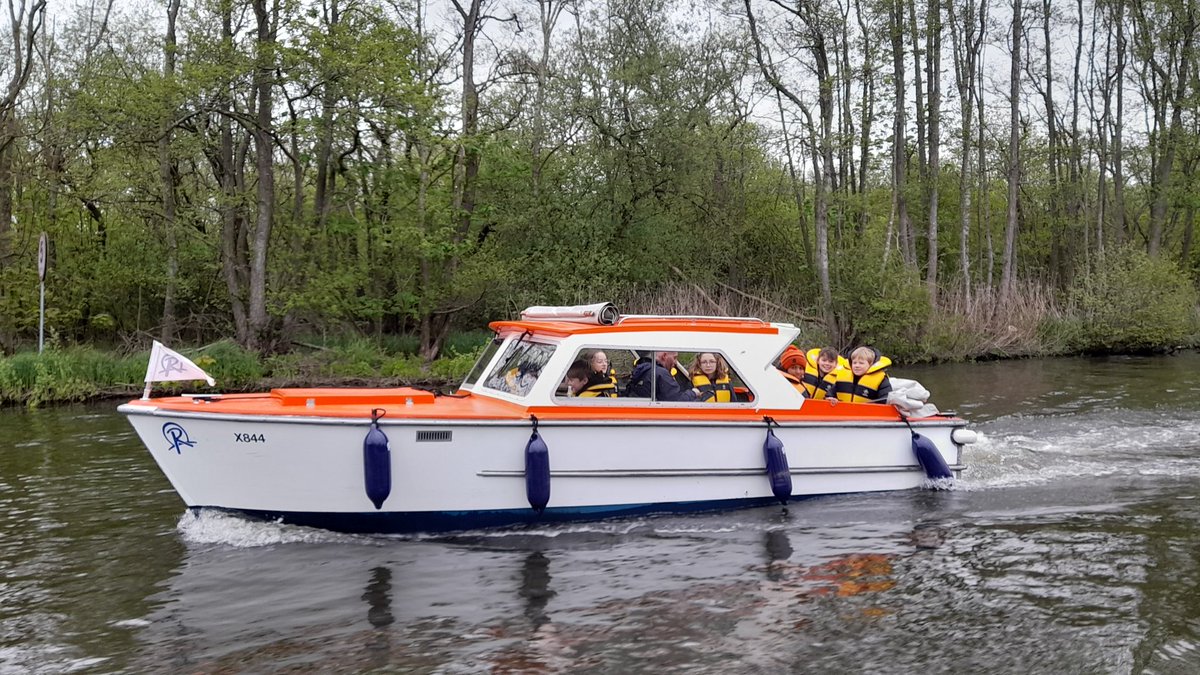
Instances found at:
x=358 y=403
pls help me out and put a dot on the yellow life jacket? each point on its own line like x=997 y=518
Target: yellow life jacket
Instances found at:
x=599 y=386
x=720 y=391
x=612 y=376
x=864 y=389
x=816 y=386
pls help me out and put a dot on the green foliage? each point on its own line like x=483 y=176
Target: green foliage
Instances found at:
x=949 y=338
x=453 y=368
x=1133 y=302
x=407 y=366
x=633 y=153
x=468 y=342
x=72 y=374
x=882 y=307
x=229 y=364
x=1062 y=335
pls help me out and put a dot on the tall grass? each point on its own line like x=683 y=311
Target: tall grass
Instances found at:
x=72 y=374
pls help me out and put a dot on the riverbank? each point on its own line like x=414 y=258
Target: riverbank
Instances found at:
x=80 y=374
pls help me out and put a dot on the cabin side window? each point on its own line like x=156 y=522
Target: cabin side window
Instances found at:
x=519 y=367
x=714 y=378
x=685 y=377
x=597 y=373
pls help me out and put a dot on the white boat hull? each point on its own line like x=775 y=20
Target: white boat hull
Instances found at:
x=467 y=474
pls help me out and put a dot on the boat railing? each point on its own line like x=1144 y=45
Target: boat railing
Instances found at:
x=692 y=317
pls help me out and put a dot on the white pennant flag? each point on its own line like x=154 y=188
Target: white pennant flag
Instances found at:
x=168 y=365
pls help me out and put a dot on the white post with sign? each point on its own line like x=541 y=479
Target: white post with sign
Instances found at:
x=42 y=295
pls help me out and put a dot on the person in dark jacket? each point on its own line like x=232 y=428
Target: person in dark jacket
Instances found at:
x=665 y=387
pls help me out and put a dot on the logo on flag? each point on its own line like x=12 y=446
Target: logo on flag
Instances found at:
x=168 y=365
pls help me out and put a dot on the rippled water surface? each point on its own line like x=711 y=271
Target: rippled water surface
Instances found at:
x=1070 y=546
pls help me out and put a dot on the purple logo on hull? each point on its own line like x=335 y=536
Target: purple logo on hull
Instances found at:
x=177 y=436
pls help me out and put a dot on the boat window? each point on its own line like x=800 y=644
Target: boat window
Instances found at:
x=519 y=367
x=482 y=362
x=616 y=364
x=721 y=385
x=711 y=373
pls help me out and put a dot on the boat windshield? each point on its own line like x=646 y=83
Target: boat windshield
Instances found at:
x=482 y=362
x=519 y=367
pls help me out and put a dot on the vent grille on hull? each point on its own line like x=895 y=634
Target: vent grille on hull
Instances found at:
x=441 y=435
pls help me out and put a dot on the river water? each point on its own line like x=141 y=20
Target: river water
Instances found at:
x=1069 y=546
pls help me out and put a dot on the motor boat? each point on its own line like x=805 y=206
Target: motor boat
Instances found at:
x=513 y=445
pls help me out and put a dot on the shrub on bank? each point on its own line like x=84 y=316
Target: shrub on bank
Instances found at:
x=1133 y=302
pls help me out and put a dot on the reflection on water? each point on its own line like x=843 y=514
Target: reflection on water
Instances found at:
x=1069 y=546
x=535 y=588
x=379 y=597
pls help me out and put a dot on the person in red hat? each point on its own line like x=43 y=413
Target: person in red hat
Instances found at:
x=792 y=362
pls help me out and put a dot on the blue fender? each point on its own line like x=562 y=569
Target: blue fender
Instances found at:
x=537 y=471
x=929 y=457
x=778 y=471
x=377 y=463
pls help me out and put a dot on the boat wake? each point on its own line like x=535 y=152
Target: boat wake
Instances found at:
x=228 y=529
x=1032 y=450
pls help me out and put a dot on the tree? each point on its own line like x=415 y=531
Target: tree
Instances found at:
x=1008 y=276
x=25 y=22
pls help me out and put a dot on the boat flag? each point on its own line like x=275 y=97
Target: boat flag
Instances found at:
x=168 y=365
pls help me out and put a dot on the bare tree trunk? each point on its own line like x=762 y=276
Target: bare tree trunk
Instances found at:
x=1007 y=277
x=1075 y=206
x=264 y=155
x=234 y=268
x=967 y=46
x=1101 y=125
x=1165 y=79
x=918 y=88
x=435 y=323
x=983 y=215
x=899 y=137
x=167 y=174
x=824 y=175
x=934 y=51
x=329 y=98
x=797 y=191
x=548 y=12
x=868 y=117
x=24 y=25
x=1118 y=159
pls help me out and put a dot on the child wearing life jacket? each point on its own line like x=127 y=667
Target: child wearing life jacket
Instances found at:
x=581 y=383
x=710 y=375
x=599 y=368
x=866 y=381
x=792 y=362
x=820 y=373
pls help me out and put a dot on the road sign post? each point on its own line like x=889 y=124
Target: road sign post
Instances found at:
x=42 y=293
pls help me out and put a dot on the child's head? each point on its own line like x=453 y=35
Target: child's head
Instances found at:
x=793 y=361
x=827 y=360
x=861 y=359
x=577 y=376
